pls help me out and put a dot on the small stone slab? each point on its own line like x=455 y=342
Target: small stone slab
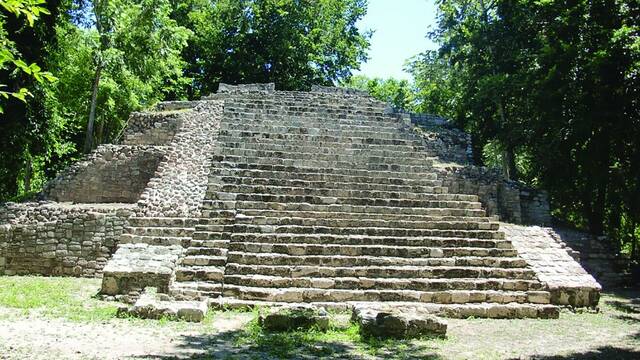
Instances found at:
x=151 y=306
x=293 y=317
x=398 y=323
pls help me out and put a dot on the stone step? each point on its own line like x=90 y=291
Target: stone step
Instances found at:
x=216 y=220
x=294 y=170
x=306 y=126
x=393 y=271
x=214 y=181
x=384 y=283
x=213 y=244
x=456 y=311
x=332 y=200
x=211 y=236
x=313 y=149
x=313 y=122
x=162 y=222
x=424 y=167
x=371 y=241
x=350 y=223
x=197 y=273
x=154 y=240
x=280 y=112
x=282 y=103
x=358 y=157
x=195 y=290
x=473 y=256
x=349 y=215
x=271 y=130
x=206 y=250
x=370 y=231
x=354 y=223
x=332 y=192
x=415 y=147
x=281 y=173
x=159 y=231
x=213 y=206
x=312 y=105
x=264 y=258
x=336 y=295
x=365 y=138
x=203 y=260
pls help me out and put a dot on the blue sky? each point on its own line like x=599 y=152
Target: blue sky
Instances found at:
x=400 y=29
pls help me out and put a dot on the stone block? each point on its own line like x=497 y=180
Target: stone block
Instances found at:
x=155 y=306
x=293 y=317
x=399 y=323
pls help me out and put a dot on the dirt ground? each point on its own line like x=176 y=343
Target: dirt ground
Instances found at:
x=611 y=333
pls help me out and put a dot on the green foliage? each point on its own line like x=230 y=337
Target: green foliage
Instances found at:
x=293 y=43
x=553 y=86
x=135 y=53
x=398 y=93
x=31 y=10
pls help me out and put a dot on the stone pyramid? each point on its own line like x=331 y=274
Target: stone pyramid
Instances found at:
x=256 y=196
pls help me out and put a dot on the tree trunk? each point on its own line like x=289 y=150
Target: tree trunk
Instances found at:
x=510 y=170
x=509 y=161
x=88 y=140
x=28 y=171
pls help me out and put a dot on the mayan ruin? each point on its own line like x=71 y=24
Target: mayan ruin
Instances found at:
x=319 y=179
x=260 y=196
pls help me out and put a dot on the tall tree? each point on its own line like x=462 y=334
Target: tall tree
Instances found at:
x=25 y=37
x=294 y=43
x=137 y=46
x=556 y=82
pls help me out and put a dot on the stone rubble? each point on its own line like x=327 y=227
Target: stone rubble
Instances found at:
x=294 y=317
x=152 y=306
x=399 y=323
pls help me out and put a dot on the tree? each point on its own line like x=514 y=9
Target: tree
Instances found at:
x=294 y=43
x=24 y=42
x=136 y=46
x=9 y=55
x=395 y=92
x=554 y=82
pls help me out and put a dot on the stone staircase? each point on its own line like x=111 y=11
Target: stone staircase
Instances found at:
x=323 y=198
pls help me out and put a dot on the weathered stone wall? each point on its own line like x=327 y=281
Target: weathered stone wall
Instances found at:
x=154 y=128
x=535 y=206
x=472 y=180
x=110 y=174
x=512 y=201
x=59 y=239
x=245 y=88
x=180 y=183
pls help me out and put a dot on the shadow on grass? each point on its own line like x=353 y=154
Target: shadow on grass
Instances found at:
x=605 y=352
x=242 y=344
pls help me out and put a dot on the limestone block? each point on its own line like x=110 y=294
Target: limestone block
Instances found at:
x=156 y=306
x=387 y=322
x=292 y=317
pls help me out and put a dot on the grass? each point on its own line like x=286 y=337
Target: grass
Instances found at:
x=341 y=337
x=68 y=298
x=614 y=332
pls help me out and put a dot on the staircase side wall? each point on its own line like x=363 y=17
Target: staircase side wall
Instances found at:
x=48 y=239
x=110 y=174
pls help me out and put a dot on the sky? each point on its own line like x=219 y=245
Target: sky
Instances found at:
x=400 y=28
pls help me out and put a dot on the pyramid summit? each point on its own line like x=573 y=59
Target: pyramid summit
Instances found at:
x=257 y=196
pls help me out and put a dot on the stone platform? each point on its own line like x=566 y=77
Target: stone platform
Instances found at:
x=257 y=196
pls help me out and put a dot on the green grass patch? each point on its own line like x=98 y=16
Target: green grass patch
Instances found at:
x=341 y=338
x=69 y=298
